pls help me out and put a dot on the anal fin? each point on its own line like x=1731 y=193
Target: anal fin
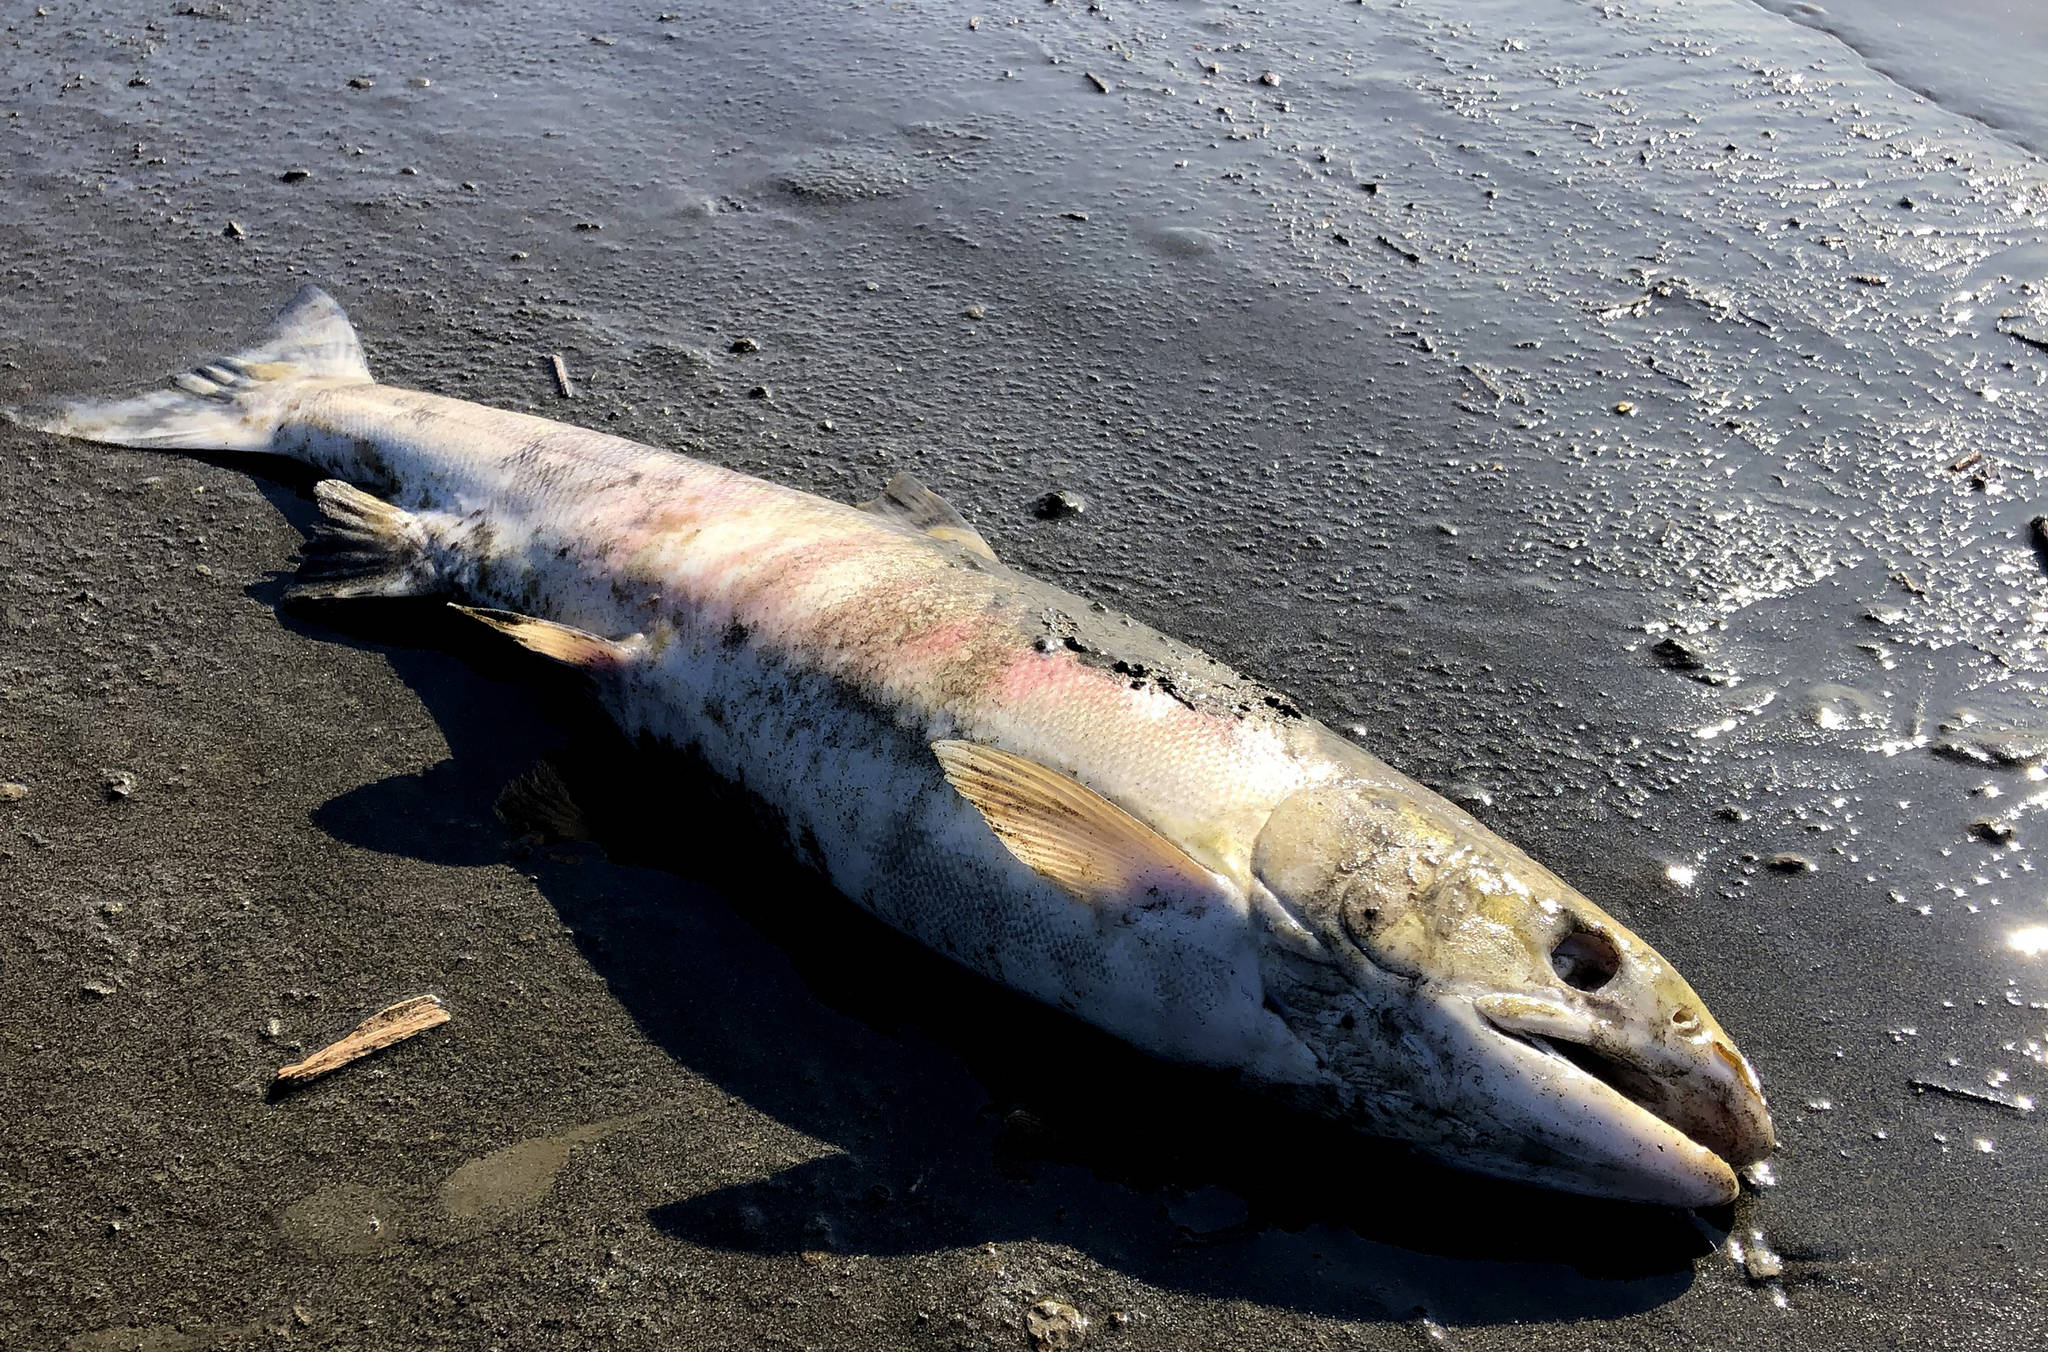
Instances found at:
x=364 y=546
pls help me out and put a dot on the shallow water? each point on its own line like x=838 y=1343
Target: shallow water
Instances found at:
x=1440 y=379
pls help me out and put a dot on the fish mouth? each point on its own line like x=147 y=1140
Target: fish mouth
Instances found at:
x=1667 y=1123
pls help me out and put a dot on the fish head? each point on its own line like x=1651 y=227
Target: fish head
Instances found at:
x=1459 y=995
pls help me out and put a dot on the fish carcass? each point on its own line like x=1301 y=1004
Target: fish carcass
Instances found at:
x=1044 y=790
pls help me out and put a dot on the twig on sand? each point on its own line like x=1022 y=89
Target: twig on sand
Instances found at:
x=562 y=381
x=380 y=1030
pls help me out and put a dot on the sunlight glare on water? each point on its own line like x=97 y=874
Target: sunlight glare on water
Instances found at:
x=2030 y=941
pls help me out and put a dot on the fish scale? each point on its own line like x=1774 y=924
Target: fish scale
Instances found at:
x=1046 y=791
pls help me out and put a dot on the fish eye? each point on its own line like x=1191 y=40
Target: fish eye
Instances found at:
x=1685 y=1016
x=1585 y=959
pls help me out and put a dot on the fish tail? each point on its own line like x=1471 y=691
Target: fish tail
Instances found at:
x=230 y=403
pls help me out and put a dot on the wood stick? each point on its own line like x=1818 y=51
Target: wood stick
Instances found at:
x=562 y=381
x=380 y=1030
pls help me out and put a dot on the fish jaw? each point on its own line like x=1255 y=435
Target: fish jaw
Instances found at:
x=1541 y=1118
x=1463 y=998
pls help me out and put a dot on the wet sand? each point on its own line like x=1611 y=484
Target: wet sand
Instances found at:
x=1626 y=416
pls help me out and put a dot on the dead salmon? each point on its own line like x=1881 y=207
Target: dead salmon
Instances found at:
x=1042 y=789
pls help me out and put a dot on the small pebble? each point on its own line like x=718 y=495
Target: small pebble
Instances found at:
x=362 y=82
x=1992 y=829
x=1059 y=505
x=234 y=230
x=117 y=784
x=295 y=176
x=1624 y=408
x=12 y=792
x=745 y=345
x=96 y=990
x=1270 y=80
x=1759 y=1264
x=1681 y=654
x=975 y=312
x=1789 y=863
x=759 y=392
x=1055 y=1326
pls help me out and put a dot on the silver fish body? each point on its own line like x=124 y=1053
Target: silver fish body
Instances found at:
x=1048 y=792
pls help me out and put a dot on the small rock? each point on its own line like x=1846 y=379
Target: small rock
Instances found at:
x=117 y=784
x=1059 y=505
x=1074 y=215
x=826 y=425
x=410 y=171
x=1993 y=829
x=1964 y=461
x=759 y=392
x=745 y=345
x=295 y=176
x=1759 y=1264
x=11 y=792
x=234 y=230
x=1732 y=812
x=975 y=312
x=1055 y=1326
x=1468 y=795
x=362 y=82
x=1789 y=863
x=1625 y=408
x=97 y=990
x=520 y=255
x=588 y=226
x=1681 y=654
x=1270 y=80
x=138 y=82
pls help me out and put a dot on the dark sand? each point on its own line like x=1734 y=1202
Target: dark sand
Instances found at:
x=1336 y=360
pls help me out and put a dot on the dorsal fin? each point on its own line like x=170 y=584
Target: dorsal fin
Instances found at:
x=1093 y=850
x=910 y=504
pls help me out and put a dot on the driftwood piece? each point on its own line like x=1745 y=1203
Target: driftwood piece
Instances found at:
x=380 y=1030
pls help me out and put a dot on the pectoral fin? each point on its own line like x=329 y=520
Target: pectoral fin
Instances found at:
x=909 y=503
x=569 y=646
x=1088 y=846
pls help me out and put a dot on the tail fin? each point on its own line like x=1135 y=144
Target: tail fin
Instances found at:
x=224 y=404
